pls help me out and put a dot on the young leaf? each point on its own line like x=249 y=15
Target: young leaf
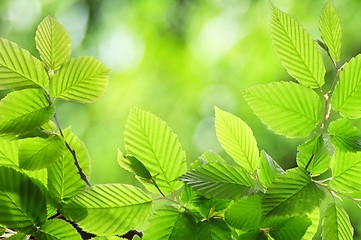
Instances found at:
x=82 y=79
x=64 y=179
x=297 y=50
x=330 y=28
x=18 y=69
x=237 y=140
x=38 y=153
x=22 y=204
x=286 y=228
x=171 y=224
x=111 y=209
x=8 y=153
x=344 y=136
x=315 y=155
x=346 y=98
x=56 y=229
x=245 y=214
x=133 y=165
x=152 y=142
x=292 y=193
x=346 y=171
x=25 y=110
x=53 y=43
x=336 y=224
x=314 y=216
x=213 y=229
x=219 y=180
x=269 y=169
x=287 y=108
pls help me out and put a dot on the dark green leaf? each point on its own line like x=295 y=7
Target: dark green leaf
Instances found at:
x=132 y=164
x=213 y=229
x=284 y=228
x=336 y=224
x=344 y=136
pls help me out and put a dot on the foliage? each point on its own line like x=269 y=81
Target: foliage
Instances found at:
x=45 y=192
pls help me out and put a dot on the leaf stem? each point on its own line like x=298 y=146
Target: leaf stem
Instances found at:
x=157 y=187
x=309 y=161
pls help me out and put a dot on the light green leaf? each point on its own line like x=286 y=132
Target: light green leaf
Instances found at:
x=57 y=229
x=25 y=110
x=286 y=228
x=297 y=50
x=38 y=153
x=111 y=209
x=269 y=169
x=219 y=180
x=336 y=224
x=64 y=181
x=18 y=68
x=53 y=43
x=292 y=193
x=237 y=140
x=8 y=153
x=18 y=236
x=344 y=136
x=314 y=216
x=330 y=28
x=211 y=157
x=245 y=214
x=152 y=142
x=346 y=97
x=315 y=154
x=134 y=165
x=22 y=204
x=213 y=229
x=82 y=79
x=287 y=108
x=346 y=171
x=113 y=238
x=170 y=223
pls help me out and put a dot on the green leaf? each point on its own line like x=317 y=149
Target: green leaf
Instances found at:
x=346 y=97
x=286 y=228
x=81 y=79
x=245 y=214
x=53 y=43
x=8 y=153
x=254 y=235
x=344 y=136
x=297 y=50
x=292 y=193
x=133 y=165
x=314 y=216
x=18 y=68
x=219 y=180
x=57 y=229
x=17 y=236
x=287 y=108
x=111 y=209
x=25 y=110
x=170 y=223
x=269 y=169
x=237 y=140
x=211 y=157
x=346 y=171
x=330 y=28
x=336 y=224
x=64 y=181
x=38 y=153
x=22 y=204
x=315 y=155
x=213 y=229
x=152 y=142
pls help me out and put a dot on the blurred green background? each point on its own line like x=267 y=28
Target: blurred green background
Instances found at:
x=177 y=59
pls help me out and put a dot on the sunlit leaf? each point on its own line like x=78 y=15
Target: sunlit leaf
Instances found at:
x=344 y=136
x=292 y=193
x=18 y=68
x=213 y=229
x=64 y=179
x=314 y=216
x=81 y=79
x=37 y=153
x=111 y=209
x=22 y=204
x=269 y=169
x=297 y=50
x=8 y=153
x=152 y=142
x=245 y=214
x=219 y=180
x=133 y=165
x=315 y=155
x=211 y=157
x=170 y=223
x=57 y=229
x=286 y=228
x=287 y=108
x=336 y=224
x=346 y=171
x=53 y=43
x=237 y=140
x=346 y=97
x=330 y=28
x=25 y=110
